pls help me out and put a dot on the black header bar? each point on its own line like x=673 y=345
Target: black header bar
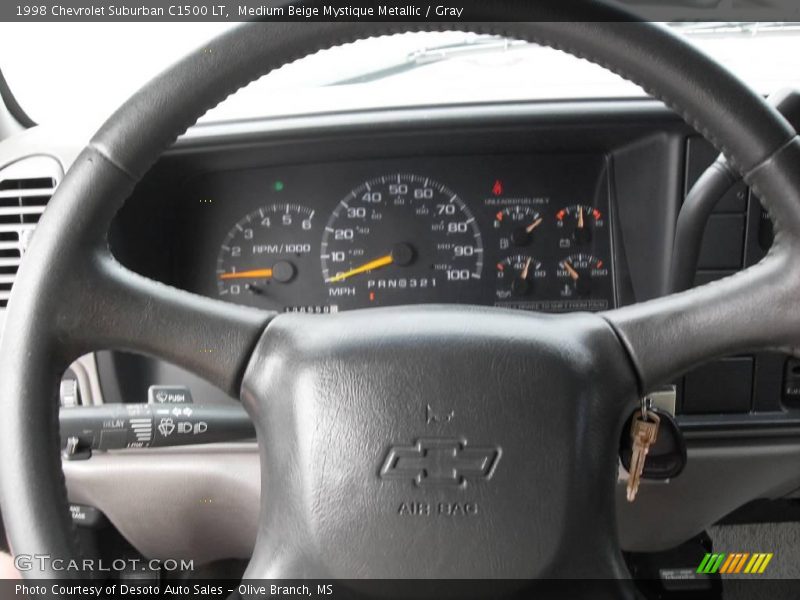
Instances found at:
x=380 y=10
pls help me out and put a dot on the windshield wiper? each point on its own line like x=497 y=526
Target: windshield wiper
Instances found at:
x=729 y=27
x=435 y=54
x=496 y=44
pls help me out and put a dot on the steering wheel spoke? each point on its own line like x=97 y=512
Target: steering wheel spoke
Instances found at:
x=127 y=311
x=667 y=336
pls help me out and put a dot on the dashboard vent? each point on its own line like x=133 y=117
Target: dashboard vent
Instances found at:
x=26 y=187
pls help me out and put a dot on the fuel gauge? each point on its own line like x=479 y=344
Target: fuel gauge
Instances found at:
x=517 y=276
x=517 y=225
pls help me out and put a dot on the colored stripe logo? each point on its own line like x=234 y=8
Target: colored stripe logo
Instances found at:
x=733 y=563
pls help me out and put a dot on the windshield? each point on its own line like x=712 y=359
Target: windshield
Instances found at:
x=77 y=83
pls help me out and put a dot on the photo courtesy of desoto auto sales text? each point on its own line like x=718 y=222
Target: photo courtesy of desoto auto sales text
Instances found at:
x=400 y=300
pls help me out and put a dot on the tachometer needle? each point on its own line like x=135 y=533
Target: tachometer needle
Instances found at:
x=571 y=270
x=254 y=274
x=373 y=264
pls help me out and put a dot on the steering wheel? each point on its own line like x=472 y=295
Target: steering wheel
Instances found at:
x=356 y=482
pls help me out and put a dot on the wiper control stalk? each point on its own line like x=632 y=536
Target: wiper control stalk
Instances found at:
x=119 y=426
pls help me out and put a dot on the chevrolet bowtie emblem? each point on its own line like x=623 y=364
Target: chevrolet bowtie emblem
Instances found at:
x=448 y=462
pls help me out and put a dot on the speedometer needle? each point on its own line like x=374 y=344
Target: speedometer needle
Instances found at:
x=373 y=264
x=254 y=274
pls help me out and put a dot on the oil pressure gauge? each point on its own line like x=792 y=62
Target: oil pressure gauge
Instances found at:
x=517 y=276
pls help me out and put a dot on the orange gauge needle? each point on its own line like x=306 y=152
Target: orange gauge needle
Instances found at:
x=373 y=264
x=533 y=225
x=580 y=217
x=524 y=273
x=571 y=270
x=254 y=274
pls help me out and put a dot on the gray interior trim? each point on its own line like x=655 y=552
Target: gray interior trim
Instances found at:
x=85 y=368
x=9 y=126
x=61 y=143
x=717 y=480
x=199 y=503
x=131 y=492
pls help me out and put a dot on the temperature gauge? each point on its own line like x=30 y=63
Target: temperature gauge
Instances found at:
x=517 y=276
x=577 y=223
x=517 y=225
x=580 y=273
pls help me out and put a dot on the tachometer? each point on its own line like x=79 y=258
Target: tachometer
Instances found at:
x=264 y=255
x=401 y=239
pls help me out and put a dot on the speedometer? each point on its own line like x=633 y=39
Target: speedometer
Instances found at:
x=401 y=239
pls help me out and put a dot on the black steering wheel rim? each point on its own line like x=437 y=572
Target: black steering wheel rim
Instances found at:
x=71 y=297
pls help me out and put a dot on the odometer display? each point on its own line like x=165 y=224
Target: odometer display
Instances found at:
x=401 y=239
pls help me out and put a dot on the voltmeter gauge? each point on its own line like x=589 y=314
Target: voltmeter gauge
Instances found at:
x=517 y=226
x=577 y=224
x=517 y=277
x=579 y=273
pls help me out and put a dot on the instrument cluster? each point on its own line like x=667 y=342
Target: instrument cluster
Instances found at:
x=526 y=232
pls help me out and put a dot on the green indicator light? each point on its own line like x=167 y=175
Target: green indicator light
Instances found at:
x=277 y=186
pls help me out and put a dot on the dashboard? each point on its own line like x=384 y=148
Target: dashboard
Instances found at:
x=540 y=207
x=520 y=231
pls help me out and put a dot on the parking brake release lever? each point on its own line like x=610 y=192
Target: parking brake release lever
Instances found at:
x=118 y=426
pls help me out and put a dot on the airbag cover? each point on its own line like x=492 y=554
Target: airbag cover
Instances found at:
x=437 y=442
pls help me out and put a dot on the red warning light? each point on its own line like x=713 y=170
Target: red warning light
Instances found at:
x=497 y=188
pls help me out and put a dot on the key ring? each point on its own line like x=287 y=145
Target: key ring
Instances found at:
x=646 y=405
